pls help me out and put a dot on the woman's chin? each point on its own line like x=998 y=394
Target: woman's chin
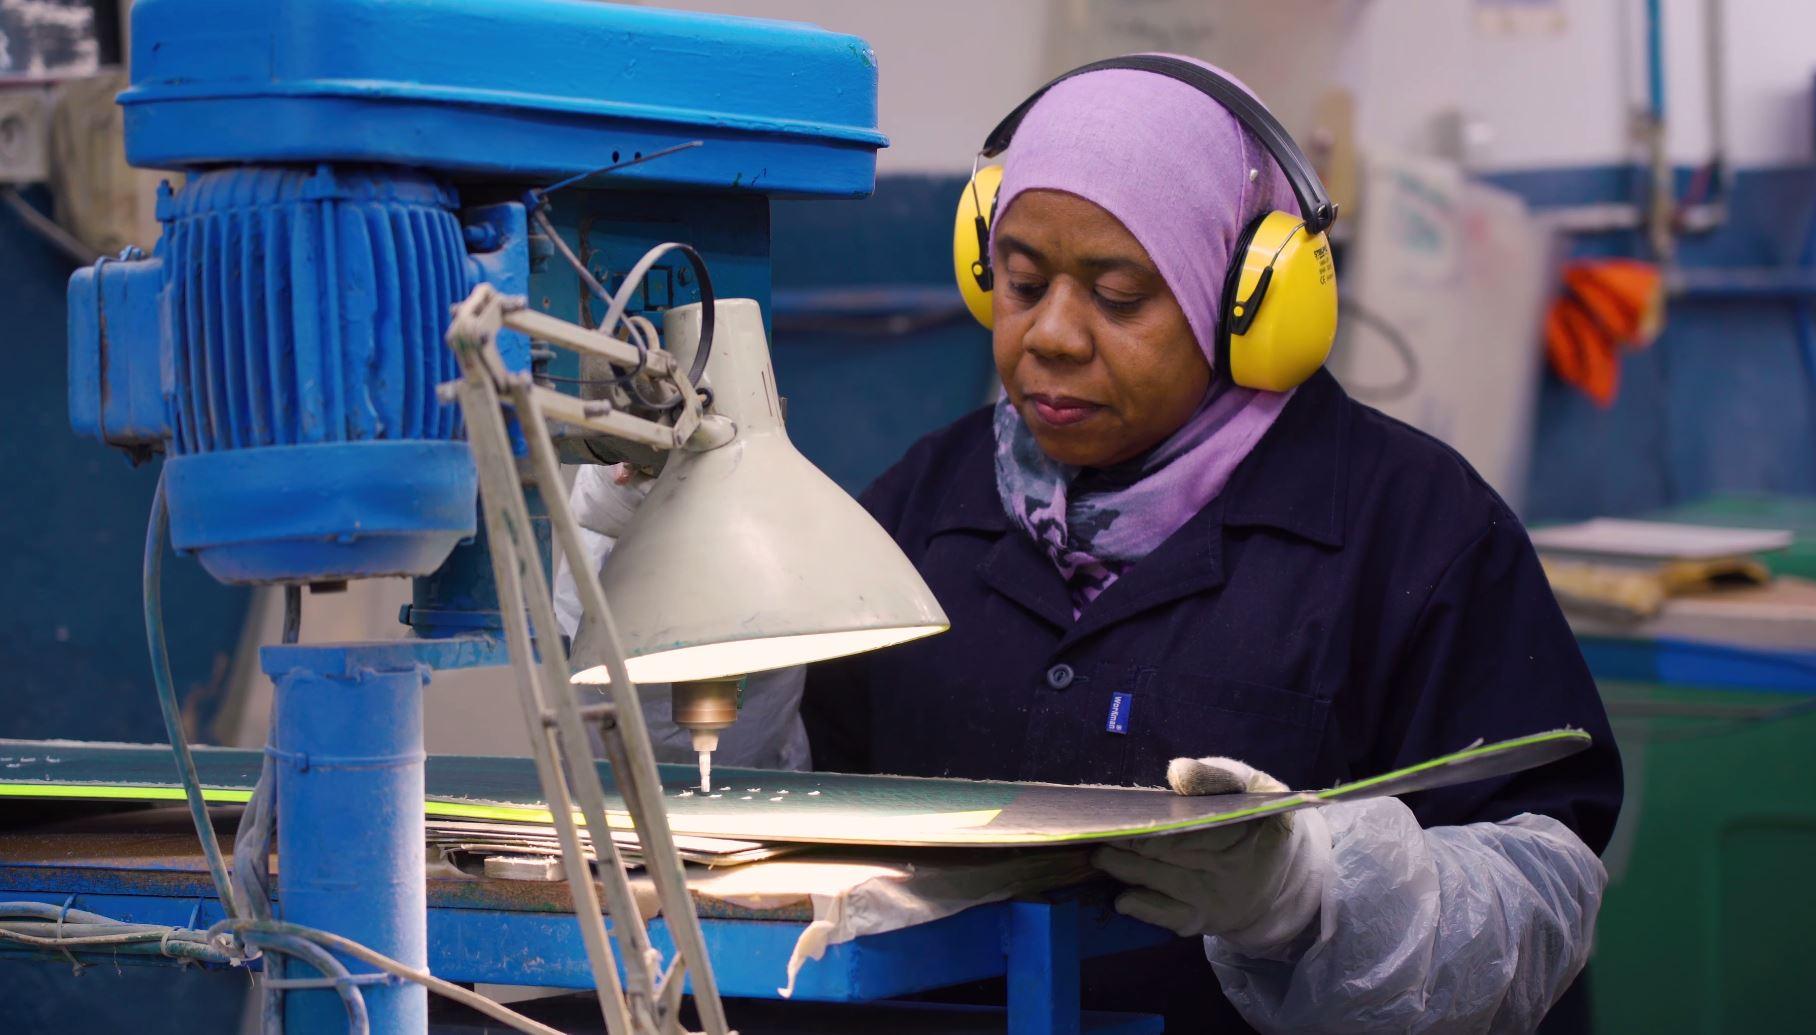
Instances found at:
x=1073 y=446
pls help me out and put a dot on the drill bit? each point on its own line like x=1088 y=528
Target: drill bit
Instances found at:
x=706 y=772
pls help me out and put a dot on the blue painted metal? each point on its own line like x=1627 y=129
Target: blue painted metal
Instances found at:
x=1690 y=663
x=346 y=660
x=1038 y=945
x=1744 y=284
x=461 y=597
x=297 y=312
x=115 y=355
x=523 y=90
x=1043 y=968
x=332 y=511
x=309 y=306
x=1806 y=310
x=348 y=746
x=499 y=236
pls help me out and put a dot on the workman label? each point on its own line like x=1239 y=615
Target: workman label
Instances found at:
x=1119 y=713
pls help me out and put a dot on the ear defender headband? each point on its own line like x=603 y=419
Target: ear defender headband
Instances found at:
x=1278 y=314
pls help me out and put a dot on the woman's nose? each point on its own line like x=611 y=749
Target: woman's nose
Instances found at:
x=1060 y=330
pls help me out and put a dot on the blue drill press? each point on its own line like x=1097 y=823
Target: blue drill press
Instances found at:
x=351 y=170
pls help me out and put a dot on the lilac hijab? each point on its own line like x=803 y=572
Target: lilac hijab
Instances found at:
x=1183 y=176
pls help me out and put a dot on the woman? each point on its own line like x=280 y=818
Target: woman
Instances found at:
x=1290 y=579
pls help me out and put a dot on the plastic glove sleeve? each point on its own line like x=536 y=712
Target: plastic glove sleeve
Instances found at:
x=567 y=593
x=1476 y=928
x=601 y=504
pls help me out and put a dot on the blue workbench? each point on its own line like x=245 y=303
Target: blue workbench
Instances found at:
x=521 y=932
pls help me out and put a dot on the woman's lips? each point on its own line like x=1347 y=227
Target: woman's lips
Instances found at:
x=1061 y=410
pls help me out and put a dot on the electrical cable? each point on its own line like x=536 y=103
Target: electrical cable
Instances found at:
x=615 y=313
x=119 y=936
x=634 y=279
x=167 y=698
x=1397 y=341
x=293 y=614
x=153 y=943
x=638 y=159
x=252 y=841
x=547 y=227
x=615 y=317
x=370 y=957
x=49 y=229
x=305 y=943
x=339 y=977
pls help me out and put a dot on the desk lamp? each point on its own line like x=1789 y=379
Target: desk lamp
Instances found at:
x=745 y=557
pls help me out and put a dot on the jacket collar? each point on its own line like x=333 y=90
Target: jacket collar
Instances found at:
x=1293 y=481
x=970 y=502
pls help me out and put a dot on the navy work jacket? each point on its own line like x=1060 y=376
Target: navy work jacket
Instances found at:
x=1357 y=599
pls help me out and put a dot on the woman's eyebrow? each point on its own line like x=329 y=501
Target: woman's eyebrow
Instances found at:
x=1015 y=245
x=1012 y=245
x=1110 y=263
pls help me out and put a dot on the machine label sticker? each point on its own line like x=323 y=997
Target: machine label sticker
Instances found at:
x=1119 y=713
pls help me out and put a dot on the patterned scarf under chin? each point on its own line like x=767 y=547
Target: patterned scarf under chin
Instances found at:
x=1095 y=524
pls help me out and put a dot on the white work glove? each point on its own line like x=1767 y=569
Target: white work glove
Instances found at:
x=603 y=500
x=1256 y=885
x=606 y=498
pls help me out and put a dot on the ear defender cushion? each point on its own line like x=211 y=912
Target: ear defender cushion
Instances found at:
x=1288 y=334
x=970 y=258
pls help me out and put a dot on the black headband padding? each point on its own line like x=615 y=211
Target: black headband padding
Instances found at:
x=1314 y=204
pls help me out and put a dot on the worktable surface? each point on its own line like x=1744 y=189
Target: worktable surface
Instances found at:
x=144 y=866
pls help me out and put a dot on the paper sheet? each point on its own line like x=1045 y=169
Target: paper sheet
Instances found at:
x=1658 y=540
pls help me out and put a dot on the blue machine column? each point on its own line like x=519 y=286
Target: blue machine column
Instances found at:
x=347 y=739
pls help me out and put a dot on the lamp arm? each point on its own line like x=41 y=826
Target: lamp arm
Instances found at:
x=485 y=312
x=647 y=1001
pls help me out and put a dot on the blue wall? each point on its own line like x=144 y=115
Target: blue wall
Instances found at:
x=72 y=635
x=857 y=401
x=1723 y=402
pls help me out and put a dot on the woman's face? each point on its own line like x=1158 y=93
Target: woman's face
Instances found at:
x=1092 y=347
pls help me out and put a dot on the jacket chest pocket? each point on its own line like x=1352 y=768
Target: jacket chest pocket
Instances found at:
x=1172 y=714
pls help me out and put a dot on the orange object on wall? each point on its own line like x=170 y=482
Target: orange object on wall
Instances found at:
x=1606 y=307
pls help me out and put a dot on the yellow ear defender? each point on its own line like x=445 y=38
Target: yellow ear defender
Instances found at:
x=971 y=243
x=1278 y=315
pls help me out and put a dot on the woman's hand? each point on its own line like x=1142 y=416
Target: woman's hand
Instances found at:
x=606 y=498
x=1257 y=885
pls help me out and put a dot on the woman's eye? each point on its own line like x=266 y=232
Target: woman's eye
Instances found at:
x=1121 y=305
x=1026 y=290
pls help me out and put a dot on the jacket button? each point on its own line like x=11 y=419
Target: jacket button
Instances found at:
x=1060 y=676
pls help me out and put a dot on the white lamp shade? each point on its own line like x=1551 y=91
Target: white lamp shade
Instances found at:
x=747 y=558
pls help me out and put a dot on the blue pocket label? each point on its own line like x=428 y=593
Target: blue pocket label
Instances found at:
x=1119 y=713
